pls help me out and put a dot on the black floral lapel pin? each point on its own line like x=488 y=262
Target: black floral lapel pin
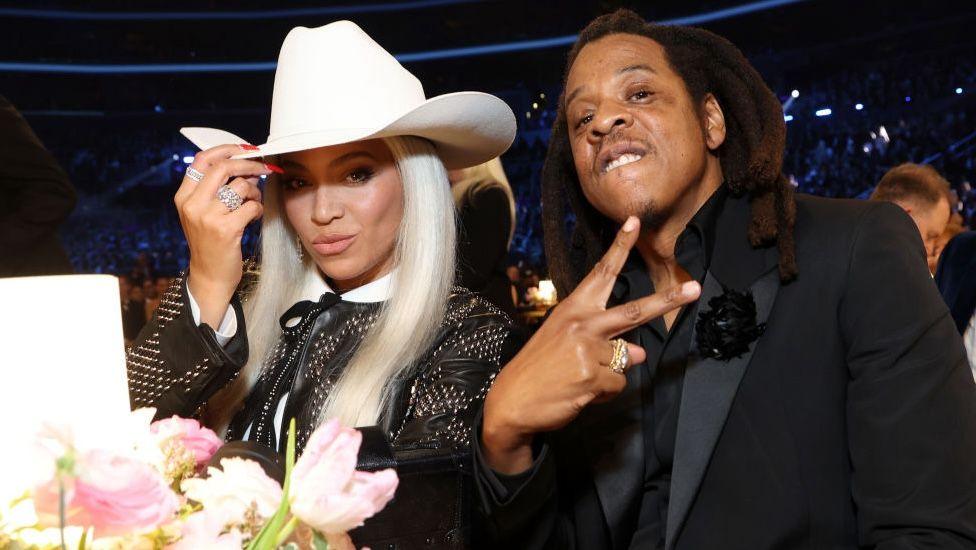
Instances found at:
x=725 y=330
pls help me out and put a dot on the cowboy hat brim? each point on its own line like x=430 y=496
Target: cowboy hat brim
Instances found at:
x=466 y=128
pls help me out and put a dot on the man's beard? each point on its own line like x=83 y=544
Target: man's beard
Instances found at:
x=650 y=214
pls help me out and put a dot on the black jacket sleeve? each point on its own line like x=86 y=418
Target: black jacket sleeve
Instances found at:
x=911 y=404
x=175 y=365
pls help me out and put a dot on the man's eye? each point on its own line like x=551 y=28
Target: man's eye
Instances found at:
x=585 y=120
x=641 y=94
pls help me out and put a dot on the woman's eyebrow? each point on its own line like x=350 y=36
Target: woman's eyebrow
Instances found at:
x=350 y=156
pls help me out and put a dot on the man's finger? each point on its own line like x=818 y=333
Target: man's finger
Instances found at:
x=625 y=317
x=598 y=283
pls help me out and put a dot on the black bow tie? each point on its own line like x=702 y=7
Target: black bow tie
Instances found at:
x=306 y=311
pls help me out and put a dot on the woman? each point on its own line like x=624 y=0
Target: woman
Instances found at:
x=352 y=312
x=486 y=209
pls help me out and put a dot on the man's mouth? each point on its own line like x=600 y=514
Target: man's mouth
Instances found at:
x=620 y=155
x=622 y=160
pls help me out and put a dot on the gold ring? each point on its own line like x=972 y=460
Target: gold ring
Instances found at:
x=621 y=356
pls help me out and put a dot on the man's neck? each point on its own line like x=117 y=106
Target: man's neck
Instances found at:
x=656 y=246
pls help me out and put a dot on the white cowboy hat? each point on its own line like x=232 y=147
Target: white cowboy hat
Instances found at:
x=335 y=84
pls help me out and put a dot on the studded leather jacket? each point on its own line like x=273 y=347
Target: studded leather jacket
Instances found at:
x=177 y=366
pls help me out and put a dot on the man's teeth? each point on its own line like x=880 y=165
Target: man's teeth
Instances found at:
x=622 y=160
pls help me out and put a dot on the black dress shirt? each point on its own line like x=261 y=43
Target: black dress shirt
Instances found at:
x=667 y=354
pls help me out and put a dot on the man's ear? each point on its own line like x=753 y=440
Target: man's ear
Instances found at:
x=714 y=120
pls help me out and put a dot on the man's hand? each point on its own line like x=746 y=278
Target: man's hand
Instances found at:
x=565 y=366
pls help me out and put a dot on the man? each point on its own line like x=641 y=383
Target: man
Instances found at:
x=956 y=277
x=816 y=395
x=37 y=198
x=921 y=192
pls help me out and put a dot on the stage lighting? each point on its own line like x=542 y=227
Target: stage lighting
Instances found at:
x=908 y=99
x=795 y=94
x=958 y=91
x=859 y=107
x=824 y=112
x=176 y=156
x=535 y=105
x=187 y=160
x=528 y=114
x=787 y=118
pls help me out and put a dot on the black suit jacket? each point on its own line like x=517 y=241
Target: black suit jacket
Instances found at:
x=956 y=277
x=36 y=198
x=851 y=423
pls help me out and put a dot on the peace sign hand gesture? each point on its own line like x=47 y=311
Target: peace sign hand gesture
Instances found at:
x=565 y=366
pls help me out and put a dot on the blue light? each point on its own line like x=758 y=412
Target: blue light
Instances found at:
x=158 y=108
x=958 y=91
x=824 y=112
x=908 y=99
x=788 y=118
x=187 y=160
x=176 y=156
x=260 y=66
x=212 y=15
x=859 y=107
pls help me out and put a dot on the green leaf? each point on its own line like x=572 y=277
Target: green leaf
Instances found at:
x=267 y=538
x=319 y=543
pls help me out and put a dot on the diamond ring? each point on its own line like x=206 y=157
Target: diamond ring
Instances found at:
x=621 y=356
x=229 y=197
x=194 y=174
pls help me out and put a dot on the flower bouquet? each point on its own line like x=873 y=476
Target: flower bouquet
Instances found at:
x=153 y=490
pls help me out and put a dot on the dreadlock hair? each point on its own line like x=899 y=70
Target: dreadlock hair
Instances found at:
x=751 y=155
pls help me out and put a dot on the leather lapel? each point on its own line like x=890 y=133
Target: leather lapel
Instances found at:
x=709 y=388
x=614 y=444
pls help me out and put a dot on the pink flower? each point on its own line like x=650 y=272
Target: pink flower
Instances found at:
x=199 y=440
x=327 y=492
x=114 y=494
x=204 y=529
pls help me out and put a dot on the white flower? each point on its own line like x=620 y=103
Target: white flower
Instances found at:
x=232 y=489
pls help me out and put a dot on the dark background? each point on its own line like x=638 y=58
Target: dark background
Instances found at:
x=116 y=134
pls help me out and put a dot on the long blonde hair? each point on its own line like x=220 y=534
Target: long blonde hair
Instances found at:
x=408 y=321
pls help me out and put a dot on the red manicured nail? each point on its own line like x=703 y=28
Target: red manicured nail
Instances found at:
x=249 y=147
x=274 y=168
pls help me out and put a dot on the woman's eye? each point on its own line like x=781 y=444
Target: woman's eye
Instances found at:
x=360 y=175
x=295 y=183
x=640 y=94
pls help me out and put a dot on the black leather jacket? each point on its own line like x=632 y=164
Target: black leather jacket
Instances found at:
x=177 y=367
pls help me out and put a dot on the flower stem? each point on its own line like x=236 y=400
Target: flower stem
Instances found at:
x=286 y=531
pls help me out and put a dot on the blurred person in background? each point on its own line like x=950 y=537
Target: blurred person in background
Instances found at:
x=956 y=278
x=486 y=224
x=37 y=199
x=921 y=192
x=953 y=228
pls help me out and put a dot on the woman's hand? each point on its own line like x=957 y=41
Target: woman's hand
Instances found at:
x=212 y=231
x=565 y=366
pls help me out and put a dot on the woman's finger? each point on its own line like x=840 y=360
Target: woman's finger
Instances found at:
x=625 y=317
x=220 y=173
x=595 y=288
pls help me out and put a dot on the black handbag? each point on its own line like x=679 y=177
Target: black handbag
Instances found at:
x=433 y=502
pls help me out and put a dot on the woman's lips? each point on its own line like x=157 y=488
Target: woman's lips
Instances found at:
x=331 y=246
